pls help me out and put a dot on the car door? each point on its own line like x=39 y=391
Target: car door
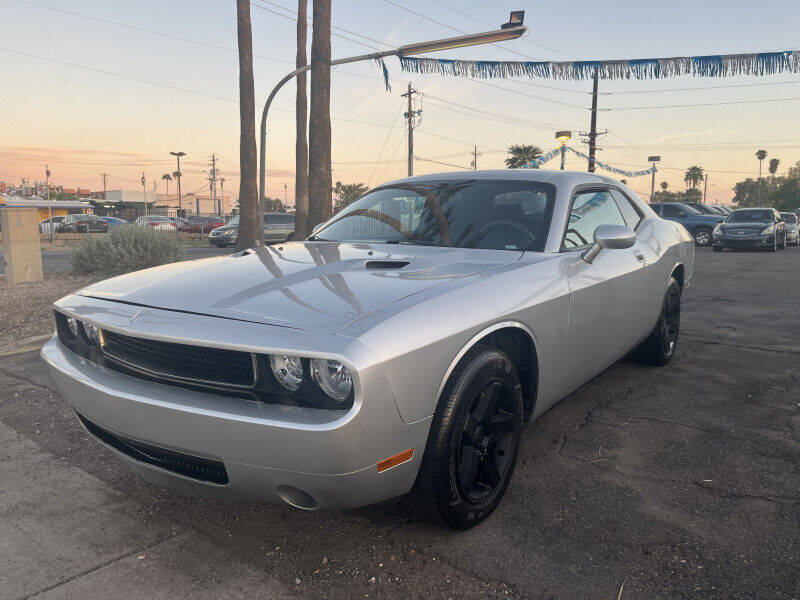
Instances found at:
x=607 y=296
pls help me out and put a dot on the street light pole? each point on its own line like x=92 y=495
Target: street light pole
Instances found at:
x=513 y=30
x=563 y=137
x=49 y=204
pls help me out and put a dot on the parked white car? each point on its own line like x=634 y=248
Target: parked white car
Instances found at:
x=49 y=225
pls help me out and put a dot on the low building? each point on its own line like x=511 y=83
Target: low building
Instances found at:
x=59 y=208
x=192 y=204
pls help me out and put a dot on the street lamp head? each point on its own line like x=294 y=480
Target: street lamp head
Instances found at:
x=515 y=20
x=178 y=153
x=461 y=41
x=563 y=137
x=653 y=159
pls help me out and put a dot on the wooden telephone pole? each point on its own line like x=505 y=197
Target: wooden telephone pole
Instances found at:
x=410 y=118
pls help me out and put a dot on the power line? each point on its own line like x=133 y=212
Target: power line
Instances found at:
x=476 y=19
x=442 y=163
x=710 y=87
x=446 y=26
x=717 y=103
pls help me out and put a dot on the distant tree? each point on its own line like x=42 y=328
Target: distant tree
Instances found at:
x=347 y=193
x=521 y=155
x=664 y=185
x=273 y=205
x=773 y=169
x=760 y=155
x=693 y=176
x=167 y=177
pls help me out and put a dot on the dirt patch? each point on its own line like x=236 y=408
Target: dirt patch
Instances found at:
x=26 y=307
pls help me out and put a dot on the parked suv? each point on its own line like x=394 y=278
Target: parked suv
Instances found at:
x=697 y=224
x=82 y=224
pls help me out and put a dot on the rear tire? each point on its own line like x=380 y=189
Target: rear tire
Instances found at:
x=659 y=347
x=702 y=236
x=473 y=443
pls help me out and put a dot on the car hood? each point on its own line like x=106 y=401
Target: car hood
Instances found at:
x=749 y=226
x=306 y=285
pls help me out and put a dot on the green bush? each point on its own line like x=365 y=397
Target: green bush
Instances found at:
x=125 y=249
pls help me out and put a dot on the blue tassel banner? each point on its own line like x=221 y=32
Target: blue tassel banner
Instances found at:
x=540 y=160
x=721 y=65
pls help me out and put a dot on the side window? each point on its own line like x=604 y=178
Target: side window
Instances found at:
x=628 y=210
x=589 y=211
x=669 y=210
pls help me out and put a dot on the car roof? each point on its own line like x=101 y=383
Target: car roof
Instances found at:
x=558 y=178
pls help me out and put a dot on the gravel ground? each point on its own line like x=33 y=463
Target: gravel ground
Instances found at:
x=26 y=306
x=678 y=483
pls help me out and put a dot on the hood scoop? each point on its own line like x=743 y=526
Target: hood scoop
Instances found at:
x=385 y=264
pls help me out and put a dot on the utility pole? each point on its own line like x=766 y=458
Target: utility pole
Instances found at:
x=105 y=181
x=410 y=118
x=654 y=160
x=49 y=204
x=144 y=194
x=590 y=138
x=705 y=188
x=212 y=177
x=475 y=158
x=222 y=194
x=178 y=177
x=285 y=194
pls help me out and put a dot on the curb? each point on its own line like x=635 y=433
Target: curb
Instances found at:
x=27 y=345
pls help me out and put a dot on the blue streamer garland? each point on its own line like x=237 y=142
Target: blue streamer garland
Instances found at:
x=718 y=65
x=540 y=160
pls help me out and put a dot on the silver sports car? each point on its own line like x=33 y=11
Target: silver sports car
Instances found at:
x=397 y=351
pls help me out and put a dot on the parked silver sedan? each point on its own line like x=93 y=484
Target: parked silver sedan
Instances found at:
x=397 y=351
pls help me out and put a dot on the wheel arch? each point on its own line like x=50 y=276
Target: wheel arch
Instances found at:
x=518 y=341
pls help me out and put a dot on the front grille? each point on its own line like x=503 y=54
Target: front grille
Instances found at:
x=195 y=467
x=198 y=364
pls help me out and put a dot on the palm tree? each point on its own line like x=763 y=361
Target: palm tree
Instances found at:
x=167 y=177
x=760 y=155
x=664 y=186
x=521 y=155
x=248 y=189
x=320 y=185
x=773 y=169
x=693 y=176
x=301 y=123
x=347 y=193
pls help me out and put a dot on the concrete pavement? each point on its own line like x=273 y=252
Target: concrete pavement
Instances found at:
x=681 y=482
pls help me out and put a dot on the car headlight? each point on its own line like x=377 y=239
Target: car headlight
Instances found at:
x=92 y=333
x=332 y=377
x=288 y=370
x=72 y=325
x=769 y=230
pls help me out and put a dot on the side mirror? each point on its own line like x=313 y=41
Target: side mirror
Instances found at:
x=609 y=237
x=681 y=214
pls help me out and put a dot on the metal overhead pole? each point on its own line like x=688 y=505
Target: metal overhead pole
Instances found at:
x=144 y=195
x=509 y=31
x=105 y=177
x=213 y=179
x=222 y=194
x=654 y=160
x=475 y=158
x=705 y=188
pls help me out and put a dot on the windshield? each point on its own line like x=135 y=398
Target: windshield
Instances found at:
x=234 y=222
x=703 y=208
x=789 y=217
x=464 y=213
x=749 y=216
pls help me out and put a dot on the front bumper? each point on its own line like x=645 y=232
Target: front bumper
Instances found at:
x=270 y=452
x=744 y=241
x=222 y=238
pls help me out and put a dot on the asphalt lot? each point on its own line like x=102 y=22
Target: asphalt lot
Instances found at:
x=58 y=259
x=681 y=482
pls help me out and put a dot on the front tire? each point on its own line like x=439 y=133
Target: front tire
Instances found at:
x=659 y=347
x=473 y=443
x=702 y=236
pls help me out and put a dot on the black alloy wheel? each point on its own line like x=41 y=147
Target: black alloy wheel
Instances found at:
x=487 y=438
x=659 y=347
x=473 y=442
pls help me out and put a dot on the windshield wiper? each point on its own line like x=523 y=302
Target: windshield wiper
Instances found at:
x=411 y=242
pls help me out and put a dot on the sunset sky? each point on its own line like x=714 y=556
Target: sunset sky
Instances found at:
x=102 y=94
